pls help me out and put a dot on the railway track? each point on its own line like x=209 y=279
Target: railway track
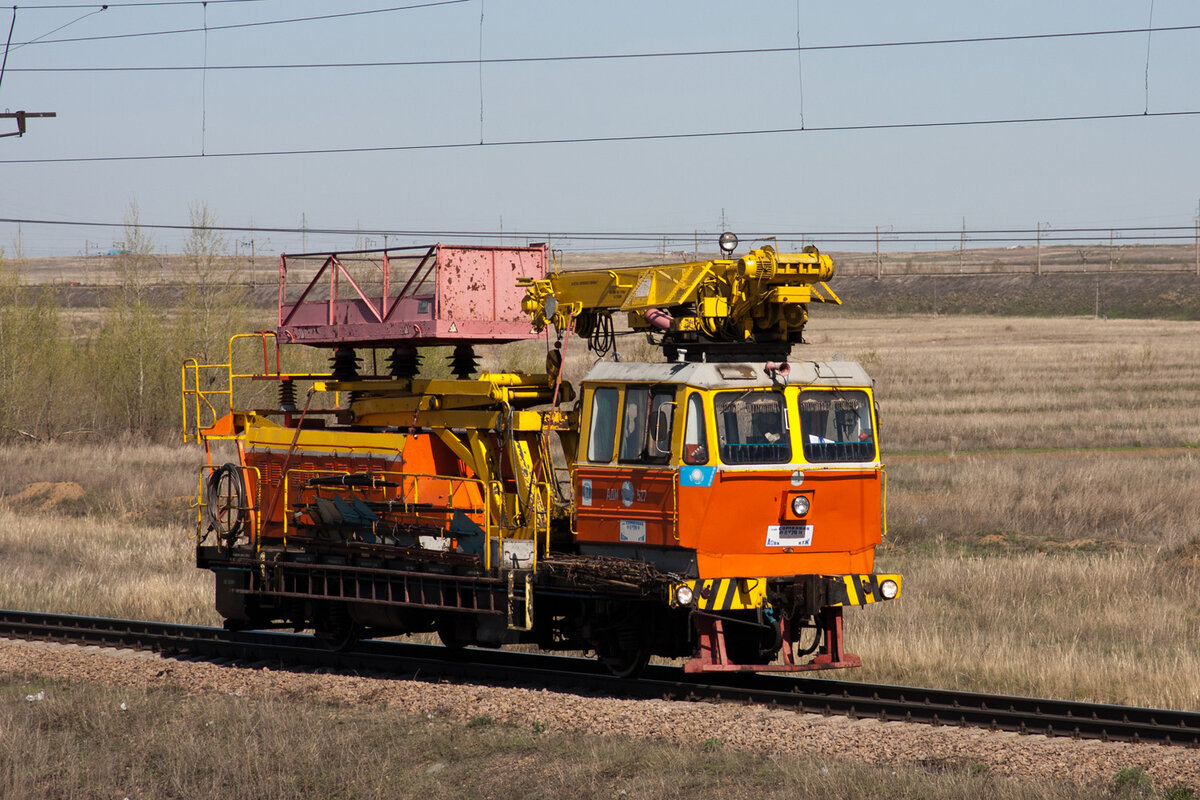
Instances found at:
x=497 y=667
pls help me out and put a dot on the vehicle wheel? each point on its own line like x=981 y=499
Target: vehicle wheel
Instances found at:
x=336 y=630
x=625 y=661
x=340 y=640
x=451 y=638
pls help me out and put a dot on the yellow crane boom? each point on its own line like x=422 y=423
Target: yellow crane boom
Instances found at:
x=759 y=298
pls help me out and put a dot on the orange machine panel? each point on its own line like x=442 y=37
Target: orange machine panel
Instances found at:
x=626 y=506
x=741 y=523
x=412 y=469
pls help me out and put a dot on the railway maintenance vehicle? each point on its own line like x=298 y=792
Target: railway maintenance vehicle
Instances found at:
x=721 y=505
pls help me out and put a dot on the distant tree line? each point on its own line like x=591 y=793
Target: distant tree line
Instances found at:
x=115 y=372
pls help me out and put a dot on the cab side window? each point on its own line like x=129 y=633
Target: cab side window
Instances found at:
x=604 y=424
x=695 y=436
x=633 y=429
x=646 y=425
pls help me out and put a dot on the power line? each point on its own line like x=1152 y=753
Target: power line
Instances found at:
x=975 y=236
x=584 y=57
x=80 y=18
x=8 y=43
x=602 y=139
x=60 y=6
x=316 y=18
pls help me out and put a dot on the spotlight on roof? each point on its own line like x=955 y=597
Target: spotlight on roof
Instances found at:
x=728 y=242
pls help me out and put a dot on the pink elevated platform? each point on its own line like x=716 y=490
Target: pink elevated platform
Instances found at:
x=439 y=295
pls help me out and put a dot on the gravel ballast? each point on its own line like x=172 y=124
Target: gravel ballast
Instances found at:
x=743 y=727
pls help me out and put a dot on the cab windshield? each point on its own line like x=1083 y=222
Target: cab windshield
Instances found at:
x=836 y=425
x=752 y=428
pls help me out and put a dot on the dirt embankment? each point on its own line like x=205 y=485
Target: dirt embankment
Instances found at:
x=1147 y=282
x=1159 y=295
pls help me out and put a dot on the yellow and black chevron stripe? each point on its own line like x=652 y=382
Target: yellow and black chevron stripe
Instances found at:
x=726 y=594
x=859 y=590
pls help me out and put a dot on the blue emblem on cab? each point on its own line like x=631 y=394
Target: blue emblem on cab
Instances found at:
x=696 y=476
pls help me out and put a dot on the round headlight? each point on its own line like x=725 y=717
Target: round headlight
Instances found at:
x=683 y=595
x=889 y=589
x=728 y=242
x=800 y=505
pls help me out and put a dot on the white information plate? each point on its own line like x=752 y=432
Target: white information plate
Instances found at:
x=789 y=535
x=633 y=530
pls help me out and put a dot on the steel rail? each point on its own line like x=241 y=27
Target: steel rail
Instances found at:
x=818 y=695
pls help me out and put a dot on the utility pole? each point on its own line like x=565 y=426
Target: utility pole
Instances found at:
x=962 y=244
x=878 y=262
x=303 y=232
x=1198 y=238
x=20 y=117
x=1039 y=248
x=1110 y=249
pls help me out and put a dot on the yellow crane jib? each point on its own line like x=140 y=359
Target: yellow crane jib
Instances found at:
x=760 y=297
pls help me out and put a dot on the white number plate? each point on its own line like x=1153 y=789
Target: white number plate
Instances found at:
x=789 y=535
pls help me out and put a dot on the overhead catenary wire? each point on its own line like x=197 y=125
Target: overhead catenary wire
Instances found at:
x=603 y=139
x=1149 y=33
x=800 y=64
x=976 y=236
x=8 y=44
x=589 y=56
x=144 y=4
x=480 y=71
x=37 y=39
x=237 y=25
x=204 y=83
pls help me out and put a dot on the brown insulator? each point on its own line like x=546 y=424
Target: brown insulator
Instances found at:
x=287 y=395
x=404 y=362
x=345 y=364
x=463 y=363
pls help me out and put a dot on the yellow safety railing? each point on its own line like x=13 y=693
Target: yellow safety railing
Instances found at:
x=203 y=411
x=200 y=398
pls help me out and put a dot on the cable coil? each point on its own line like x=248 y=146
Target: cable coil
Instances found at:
x=225 y=503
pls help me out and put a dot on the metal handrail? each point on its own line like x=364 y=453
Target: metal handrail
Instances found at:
x=199 y=395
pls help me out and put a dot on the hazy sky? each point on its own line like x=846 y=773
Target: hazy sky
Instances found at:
x=1099 y=173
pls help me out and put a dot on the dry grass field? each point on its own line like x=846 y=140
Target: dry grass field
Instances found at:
x=1042 y=506
x=88 y=741
x=102 y=530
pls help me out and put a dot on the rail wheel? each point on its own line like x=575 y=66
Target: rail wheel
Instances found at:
x=336 y=630
x=625 y=655
x=451 y=635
